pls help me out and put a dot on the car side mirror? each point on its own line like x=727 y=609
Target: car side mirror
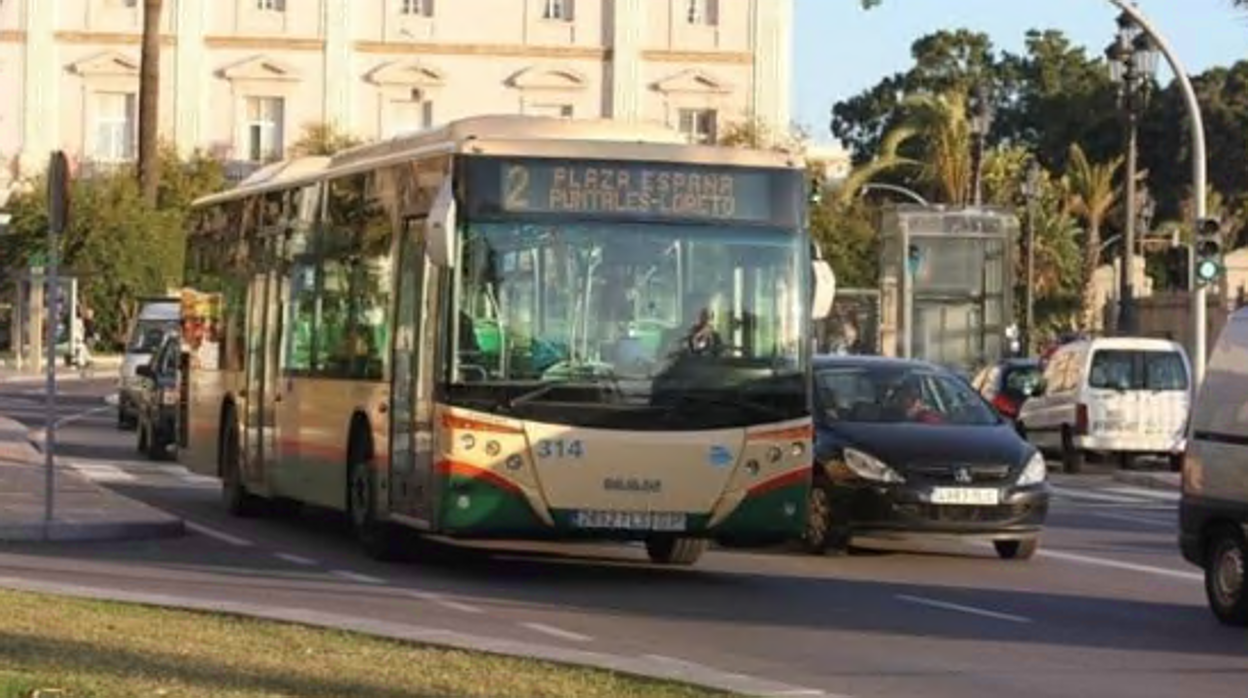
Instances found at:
x=145 y=371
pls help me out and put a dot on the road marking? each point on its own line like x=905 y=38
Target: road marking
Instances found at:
x=356 y=577
x=557 y=632
x=102 y=472
x=295 y=559
x=80 y=416
x=1115 y=564
x=962 y=609
x=1093 y=496
x=1134 y=519
x=1164 y=495
x=219 y=535
x=439 y=600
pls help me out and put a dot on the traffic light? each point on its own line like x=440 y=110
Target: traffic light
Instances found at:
x=1208 y=250
x=1177 y=260
x=816 y=189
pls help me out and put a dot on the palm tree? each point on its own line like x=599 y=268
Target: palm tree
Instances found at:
x=941 y=122
x=887 y=159
x=149 y=101
x=1092 y=195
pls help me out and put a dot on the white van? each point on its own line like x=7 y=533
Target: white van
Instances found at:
x=1127 y=396
x=155 y=318
x=1214 y=509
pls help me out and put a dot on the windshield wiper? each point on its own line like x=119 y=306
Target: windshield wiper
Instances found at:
x=758 y=408
x=546 y=386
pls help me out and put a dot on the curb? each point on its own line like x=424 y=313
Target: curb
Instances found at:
x=70 y=531
x=649 y=667
x=1156 y=481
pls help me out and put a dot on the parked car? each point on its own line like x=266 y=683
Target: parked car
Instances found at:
x=908 y=448
x=1007 y=384
x=156 y=317
x=1213 y=511
x=1123 y=396
x=156 y=398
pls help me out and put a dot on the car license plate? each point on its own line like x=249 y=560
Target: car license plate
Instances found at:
x=966 y=496
x=630 y=520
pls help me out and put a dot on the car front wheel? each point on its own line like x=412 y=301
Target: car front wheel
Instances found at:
x=1224 y=576
x=1016 y=549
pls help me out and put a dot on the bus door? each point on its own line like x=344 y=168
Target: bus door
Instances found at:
x=411 y=422
x=263 y=341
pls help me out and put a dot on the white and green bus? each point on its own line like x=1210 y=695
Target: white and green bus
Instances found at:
x=511 y=327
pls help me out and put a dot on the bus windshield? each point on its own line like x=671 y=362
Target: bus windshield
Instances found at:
x=631 y=325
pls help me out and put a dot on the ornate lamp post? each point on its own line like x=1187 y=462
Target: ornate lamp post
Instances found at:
x=1031 y=191
x=981 y=124
x=1132 y=62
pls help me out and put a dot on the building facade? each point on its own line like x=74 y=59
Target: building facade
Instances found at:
x=241 y=79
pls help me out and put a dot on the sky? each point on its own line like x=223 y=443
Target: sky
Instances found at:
x=841 y=49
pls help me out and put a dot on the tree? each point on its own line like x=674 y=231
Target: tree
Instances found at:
x=941 y=125
x=889 y=158
x=322 y=139
x=149 y=101
x=1092 y=195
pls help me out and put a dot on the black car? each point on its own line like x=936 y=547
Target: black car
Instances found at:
x=156 y=400
x=1007 y=384
x=906 y=447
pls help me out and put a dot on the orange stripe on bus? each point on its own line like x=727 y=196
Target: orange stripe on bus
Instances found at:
x=473 y=472
x=805 y=431
x=793 y=477
x=454 y=422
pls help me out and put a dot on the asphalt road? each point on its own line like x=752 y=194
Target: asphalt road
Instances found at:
x=1107 y=608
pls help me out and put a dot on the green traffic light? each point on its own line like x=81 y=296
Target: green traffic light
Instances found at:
x=1208 y=270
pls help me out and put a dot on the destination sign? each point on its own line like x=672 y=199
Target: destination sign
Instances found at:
x=648 y=190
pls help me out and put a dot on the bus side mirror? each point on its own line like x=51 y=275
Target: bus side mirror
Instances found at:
x=440 y=227
x=825 y=290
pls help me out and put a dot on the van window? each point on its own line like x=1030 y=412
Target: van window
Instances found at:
x=1129 y=369
x=148 y=334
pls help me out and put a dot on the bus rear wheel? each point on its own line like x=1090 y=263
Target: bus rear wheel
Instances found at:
x=378 y=538
x=672 y=550
x=238 y=501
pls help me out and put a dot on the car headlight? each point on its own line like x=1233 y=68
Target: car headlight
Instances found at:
x=869 y=467
x=1035 y=472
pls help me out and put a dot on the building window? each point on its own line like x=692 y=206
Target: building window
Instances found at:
x=699 y=125
x=416 y=8
x=408 y=115
x=264 y=128
x=116 y=120
x=561 y=111
x=558 y=10
x=703 y=12
x=271 y=5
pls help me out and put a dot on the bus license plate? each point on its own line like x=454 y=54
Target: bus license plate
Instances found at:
x=630 y=520
x=966 y=496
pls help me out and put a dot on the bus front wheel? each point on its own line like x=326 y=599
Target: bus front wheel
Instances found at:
x=238 y=501
x=671 y=550
x=378 y=538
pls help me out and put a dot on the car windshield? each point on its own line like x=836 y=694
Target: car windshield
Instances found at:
x=899 y=394
x=1119 y=369
x=148 y=335
x=613 y=324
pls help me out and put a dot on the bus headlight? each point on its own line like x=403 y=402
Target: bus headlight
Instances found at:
x=774 y=454
x=467 y=442
x=492 y=448
x=515 y=462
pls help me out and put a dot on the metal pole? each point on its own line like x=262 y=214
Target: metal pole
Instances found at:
x=977 y=187
x=1029 y=292
x=1126 y=282
x=1199 y=326
x=58 y=211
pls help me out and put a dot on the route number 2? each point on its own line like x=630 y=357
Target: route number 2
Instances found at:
x=559 y=448
x=517 y=188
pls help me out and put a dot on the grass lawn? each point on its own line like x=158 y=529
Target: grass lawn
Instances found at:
x=64 y=647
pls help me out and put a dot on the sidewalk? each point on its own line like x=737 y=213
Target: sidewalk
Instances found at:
x=82 y=509
x=1157 y=480
x=102 y=367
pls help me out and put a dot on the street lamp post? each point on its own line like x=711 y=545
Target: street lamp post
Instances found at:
x=1031 y=190
x=981 y=123
x=1132 y=61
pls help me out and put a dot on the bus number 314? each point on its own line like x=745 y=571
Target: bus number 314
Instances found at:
x=560 y=448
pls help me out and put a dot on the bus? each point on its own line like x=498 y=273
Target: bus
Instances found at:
x=510 y=328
